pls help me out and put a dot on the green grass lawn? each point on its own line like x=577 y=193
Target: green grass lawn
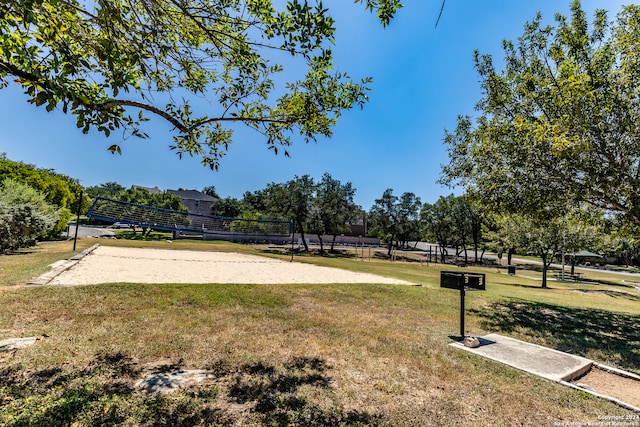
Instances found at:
x=300 y=354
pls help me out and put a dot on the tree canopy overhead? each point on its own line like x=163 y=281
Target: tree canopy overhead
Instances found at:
x=115 y=63
x=560 y=121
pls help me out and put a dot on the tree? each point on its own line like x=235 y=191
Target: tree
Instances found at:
x=476 y=222
x=582 y=230
x=549 y=237
x=503 y=242
x=395 y=218
x=382 y=217
x=25 y=215
x=614 y=237
x=211 y=191
x=542 y=238
x=461 y=226
x=560 y=122
x=228 y=207
x=468 y=222
x=437 y=223
x=255 y=202
x=453 y=221
x=408 y=219
x=114 y=63
x=108 y=190
x=292 y=200
x=163 y=201
x=333 y=208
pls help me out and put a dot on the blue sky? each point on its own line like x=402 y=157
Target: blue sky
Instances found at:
x=423 y=79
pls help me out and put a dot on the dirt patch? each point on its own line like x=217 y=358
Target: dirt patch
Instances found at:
x=108 y=264
x=610 y=384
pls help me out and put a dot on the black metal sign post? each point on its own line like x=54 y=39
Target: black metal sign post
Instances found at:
x=462 y=282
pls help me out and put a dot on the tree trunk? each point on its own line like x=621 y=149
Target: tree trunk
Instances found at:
x=544 y=269
x=476 y=241
x=475 y=250
x=443 y=254
x=304 y=241
x=333 y=242
x=321 y=245
x=464 y=248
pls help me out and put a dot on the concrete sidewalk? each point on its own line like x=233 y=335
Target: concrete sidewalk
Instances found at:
x=545 y=362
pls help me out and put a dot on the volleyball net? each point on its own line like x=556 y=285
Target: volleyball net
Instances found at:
x=185 y=223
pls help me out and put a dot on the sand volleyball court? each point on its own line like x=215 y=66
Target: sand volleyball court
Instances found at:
x=109 y=264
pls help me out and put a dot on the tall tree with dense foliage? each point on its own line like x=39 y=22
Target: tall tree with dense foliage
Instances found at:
x=25 y=215
x=255 y=202
x=545 y=239
x=437 y=223
x=382 y=217
x=108 y=190
x=228 y=207
x=203 y=66
x=408 y=219
x=560 y=121
x=395 y=219
x=293 y=201
x=549 y=237
x=619 y=239
x=453 y=221
x=333 y=208
x=476 y=220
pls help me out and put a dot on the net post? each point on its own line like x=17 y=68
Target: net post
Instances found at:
x=75 y=237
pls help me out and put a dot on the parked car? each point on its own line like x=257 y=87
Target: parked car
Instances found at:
x=121 y=225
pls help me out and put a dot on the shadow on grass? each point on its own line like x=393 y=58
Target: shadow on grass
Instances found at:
x=532 y=267
x=17 y=252
x=274 y=393
x=595 y=334
x=610 y=293
x=103 y=394
x=609 y=283
x=521 y=285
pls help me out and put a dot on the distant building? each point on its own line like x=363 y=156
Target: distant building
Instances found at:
x=150 y=190
x=195 y=201
x=358 y=227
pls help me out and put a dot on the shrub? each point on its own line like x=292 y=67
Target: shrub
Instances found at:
x=24 y=216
